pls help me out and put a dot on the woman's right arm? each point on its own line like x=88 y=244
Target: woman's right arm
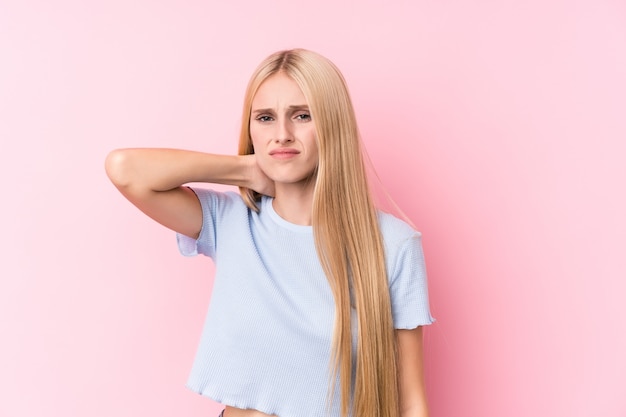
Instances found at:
x=152 y=179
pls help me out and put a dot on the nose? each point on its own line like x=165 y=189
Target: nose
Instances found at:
x=284 y=132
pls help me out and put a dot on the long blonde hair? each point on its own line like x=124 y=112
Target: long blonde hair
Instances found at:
x=346 y=232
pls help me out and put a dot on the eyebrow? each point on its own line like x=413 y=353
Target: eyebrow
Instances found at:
x=292 y=108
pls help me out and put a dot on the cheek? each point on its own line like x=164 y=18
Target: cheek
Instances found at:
x=253 y=135
x=254 y=139
x=313 y=144
x=257 y=137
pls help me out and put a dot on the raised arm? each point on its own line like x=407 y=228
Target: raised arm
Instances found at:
x=153 y=179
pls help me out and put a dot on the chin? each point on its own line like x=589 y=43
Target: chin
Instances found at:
x=294 y=180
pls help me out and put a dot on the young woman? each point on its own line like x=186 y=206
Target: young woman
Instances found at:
x=319 y=299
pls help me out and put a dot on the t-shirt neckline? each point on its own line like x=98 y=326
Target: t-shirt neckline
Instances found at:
x=269 y=208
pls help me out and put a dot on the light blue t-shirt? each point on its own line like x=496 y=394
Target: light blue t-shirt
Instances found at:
x=266 y=341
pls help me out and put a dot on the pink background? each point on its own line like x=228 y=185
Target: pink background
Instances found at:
x=498 y=127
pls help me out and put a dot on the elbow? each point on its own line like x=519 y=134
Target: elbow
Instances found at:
x=117 y=167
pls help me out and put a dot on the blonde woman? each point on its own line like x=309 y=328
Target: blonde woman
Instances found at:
x=319 y=299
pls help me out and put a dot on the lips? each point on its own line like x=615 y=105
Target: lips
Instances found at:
x=282 y=153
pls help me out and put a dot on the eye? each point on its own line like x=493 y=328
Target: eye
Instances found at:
x=304 y=117
x=264 y=118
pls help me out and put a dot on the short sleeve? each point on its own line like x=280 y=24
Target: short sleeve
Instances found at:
x=206 y=243
x=408 y=286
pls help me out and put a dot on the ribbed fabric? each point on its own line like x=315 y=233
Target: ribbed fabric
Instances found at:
x=266 y=339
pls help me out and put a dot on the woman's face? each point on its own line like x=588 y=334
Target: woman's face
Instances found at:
x=283 y=133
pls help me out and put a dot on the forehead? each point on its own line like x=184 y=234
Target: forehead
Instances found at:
x=277 y=91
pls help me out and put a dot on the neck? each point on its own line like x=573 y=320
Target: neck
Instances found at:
x=294 y=204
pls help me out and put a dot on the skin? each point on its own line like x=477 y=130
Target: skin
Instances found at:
x=284 y=141
x=283 y=166
x=413 y=402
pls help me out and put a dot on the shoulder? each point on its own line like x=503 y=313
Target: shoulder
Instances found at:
x=394 y=230
x=402 y=243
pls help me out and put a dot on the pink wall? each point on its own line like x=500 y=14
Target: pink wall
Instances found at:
x=498 y=127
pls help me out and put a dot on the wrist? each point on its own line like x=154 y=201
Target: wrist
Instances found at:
x=247 y=169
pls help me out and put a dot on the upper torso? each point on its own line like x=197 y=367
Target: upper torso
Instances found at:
x=267 y=338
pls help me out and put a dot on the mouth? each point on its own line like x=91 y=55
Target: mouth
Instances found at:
x=284 y=153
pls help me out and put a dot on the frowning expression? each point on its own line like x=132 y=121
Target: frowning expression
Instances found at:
x=282 y=131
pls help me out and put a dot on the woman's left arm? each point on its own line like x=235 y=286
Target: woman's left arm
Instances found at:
x=413 y=401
